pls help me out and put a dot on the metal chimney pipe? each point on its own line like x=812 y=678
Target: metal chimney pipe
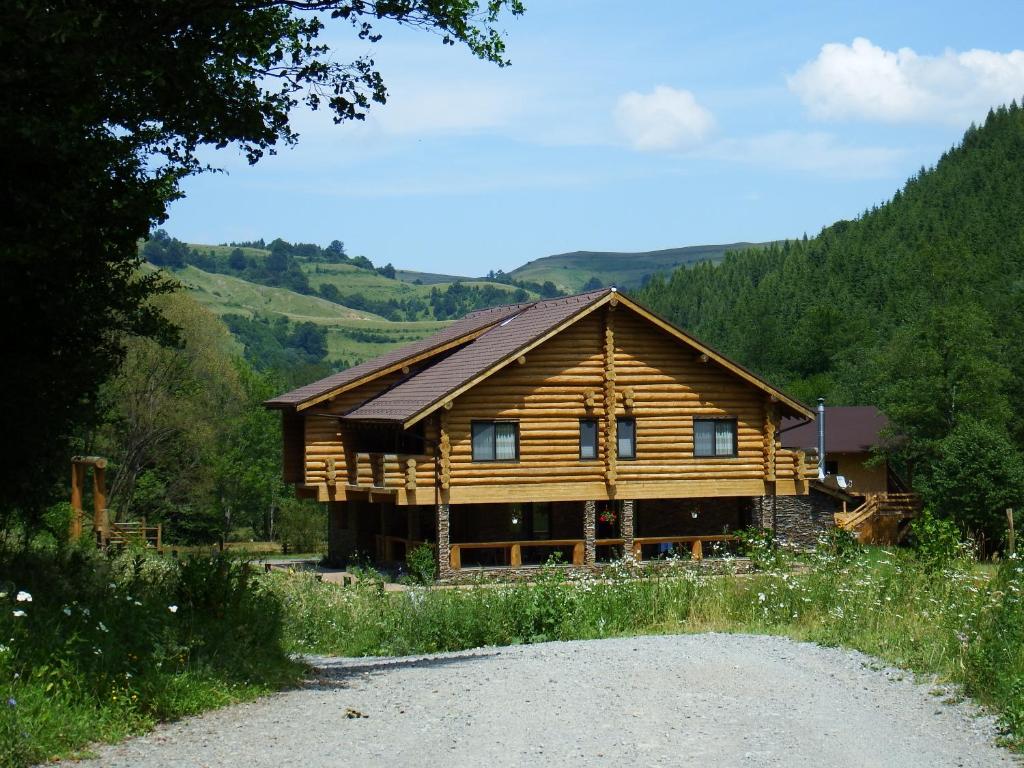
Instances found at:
x=821 y=438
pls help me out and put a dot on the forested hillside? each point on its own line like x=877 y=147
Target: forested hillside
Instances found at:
x=916 y=306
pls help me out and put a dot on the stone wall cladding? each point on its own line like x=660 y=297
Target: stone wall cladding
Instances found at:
x=444 y=570
x=626 y=524
x=799 y=520
x=589 y=532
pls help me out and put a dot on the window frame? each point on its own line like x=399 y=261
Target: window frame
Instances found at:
x=494 y=422
x=714 y=442
x=597 y=440
x=618 y=422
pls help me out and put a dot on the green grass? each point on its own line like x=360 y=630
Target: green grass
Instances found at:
x=962 y=626
x=350 y=279
x=224 y=294
x=97 y=649
x=570 y=271
x=344 y=344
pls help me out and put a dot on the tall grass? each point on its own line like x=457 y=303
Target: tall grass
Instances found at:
x=947 y=619
x=95 y=649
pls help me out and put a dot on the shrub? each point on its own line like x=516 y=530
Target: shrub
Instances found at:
x=760 y=546
x=302 y=525
x=937 y=542
x=422 y=564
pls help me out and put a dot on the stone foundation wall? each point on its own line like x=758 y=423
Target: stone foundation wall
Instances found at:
x=799 y=520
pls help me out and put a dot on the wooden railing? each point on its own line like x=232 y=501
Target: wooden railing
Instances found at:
x=514 y=550
x=133 y=533
x=696 y=543
x=377 y=471
x=880 y=517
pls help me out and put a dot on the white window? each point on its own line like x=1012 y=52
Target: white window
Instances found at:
x=588 y=438
x=495 y=441
x=714 y=437
x=625 y=429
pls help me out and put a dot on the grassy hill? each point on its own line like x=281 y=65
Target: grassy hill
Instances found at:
x=351 y=279
x=571 y=271
x=224 y=295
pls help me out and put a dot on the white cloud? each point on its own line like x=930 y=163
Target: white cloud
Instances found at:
x=819 y=153
x=664 y=119
x=865 y=81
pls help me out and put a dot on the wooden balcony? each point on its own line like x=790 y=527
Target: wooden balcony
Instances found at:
x=389 y=472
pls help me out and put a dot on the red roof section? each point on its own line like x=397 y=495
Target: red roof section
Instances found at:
x=848 y=429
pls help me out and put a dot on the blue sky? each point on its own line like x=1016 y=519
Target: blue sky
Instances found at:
x=676 y=123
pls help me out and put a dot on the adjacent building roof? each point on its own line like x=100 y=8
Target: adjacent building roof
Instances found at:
x=848 y=429
x=444 y=365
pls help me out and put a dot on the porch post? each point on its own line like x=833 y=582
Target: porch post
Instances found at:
x=589 y=532
x=444 y=565
x=626 y=526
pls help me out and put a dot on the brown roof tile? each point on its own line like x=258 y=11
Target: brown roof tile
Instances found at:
x=514 y=333
x=848 y=429
x=467 y=325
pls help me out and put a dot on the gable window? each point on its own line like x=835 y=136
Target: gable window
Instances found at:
x=714 y=437
x=495 y=441
x=588 y=439
x=625 y=429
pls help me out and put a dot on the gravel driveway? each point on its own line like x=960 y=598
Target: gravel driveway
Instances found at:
x=700 y=700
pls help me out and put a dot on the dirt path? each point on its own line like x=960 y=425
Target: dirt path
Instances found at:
x=700 y=700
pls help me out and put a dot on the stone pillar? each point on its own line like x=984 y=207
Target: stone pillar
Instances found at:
x=626 y=526
x=444 y=569
x=589 y=532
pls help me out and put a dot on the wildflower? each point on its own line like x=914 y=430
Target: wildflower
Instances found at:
x=761 y=597
x=172 y=608
x=11 y=702
x=66 y=610
x=19 y=614
x=23 y=597
x=102 y=627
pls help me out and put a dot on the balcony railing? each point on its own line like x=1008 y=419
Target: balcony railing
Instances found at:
x=390 y=471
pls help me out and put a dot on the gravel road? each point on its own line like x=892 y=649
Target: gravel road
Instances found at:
x=700 y=700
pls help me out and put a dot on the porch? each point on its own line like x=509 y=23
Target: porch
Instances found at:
x=482 y=538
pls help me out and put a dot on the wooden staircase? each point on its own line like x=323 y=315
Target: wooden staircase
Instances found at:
x=883 y=518
x=123 y=534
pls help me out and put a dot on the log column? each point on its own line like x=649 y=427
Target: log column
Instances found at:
x=339 y=542
x=626 y=526
x=77 y=481
x=444 y=550
x=610 y=438
x=589 y=532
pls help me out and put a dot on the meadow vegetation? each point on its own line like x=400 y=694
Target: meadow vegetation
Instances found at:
x=932 y=613
x=96 y=649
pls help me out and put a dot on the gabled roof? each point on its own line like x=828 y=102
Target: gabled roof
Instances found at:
x=483 y=343
x=848 y=429
x=505 y=341
x=459 y=332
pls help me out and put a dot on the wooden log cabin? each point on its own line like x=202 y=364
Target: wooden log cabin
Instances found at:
x=584 y=426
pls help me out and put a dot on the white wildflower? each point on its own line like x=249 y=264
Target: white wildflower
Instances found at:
x=761 y=597
x=23 y=597
x=172 y=608
x=66 y=610
x=102 y=627
x=19 y=614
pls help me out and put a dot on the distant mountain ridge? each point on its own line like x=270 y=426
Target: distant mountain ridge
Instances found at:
x=570 y=272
